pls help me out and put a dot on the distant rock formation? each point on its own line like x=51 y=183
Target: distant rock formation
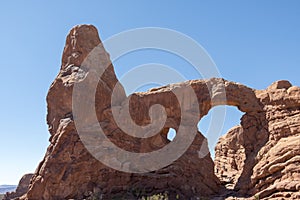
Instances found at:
x=7 y=188
x=21 y=189
x=260 y=157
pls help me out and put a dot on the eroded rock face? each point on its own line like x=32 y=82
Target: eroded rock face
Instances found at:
x=230 y=157
x=252 y=156
x=272 y=163
x=70 y=171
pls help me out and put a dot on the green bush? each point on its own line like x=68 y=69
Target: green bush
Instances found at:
x=159 y=196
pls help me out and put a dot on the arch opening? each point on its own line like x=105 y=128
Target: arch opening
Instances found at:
x=226 y=152
x=171 y=134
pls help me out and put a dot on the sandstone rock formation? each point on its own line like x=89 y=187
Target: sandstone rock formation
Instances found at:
x=259 y=157
x=230 y=157
x=21 y=189
x=271 y=164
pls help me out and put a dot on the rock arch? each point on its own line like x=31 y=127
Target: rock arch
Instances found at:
x=69 y=171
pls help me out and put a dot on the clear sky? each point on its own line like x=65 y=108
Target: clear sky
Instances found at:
x=252 y=42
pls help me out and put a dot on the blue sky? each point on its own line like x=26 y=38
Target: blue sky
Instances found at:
x=252 y=42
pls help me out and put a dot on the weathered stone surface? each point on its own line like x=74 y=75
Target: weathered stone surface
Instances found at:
x=274 y=171
x=230 y=157
x=259 y=157
x=69 y=171
x=21 y=189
